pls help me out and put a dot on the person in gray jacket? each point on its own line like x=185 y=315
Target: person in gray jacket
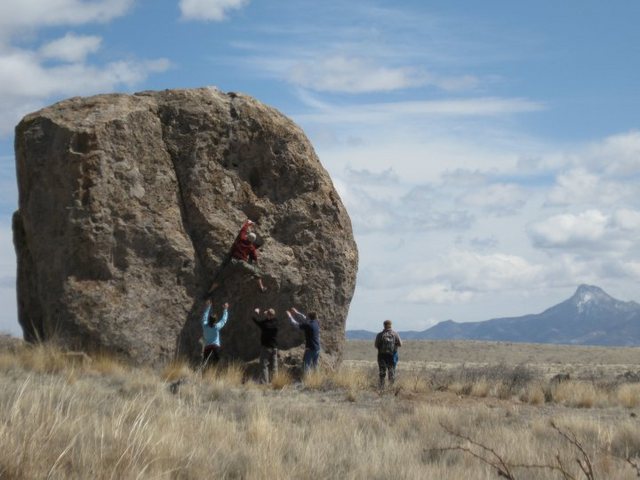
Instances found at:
x=387 y=343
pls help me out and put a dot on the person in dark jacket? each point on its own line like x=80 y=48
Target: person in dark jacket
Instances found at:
x=387 y=343
x=311 y=328
x=243 y=255
x=268 y=343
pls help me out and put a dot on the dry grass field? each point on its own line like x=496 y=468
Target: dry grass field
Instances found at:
x=451 y=415
x=579 y=361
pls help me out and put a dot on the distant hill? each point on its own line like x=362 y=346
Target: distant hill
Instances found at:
x=589 y=317
x=360 y=335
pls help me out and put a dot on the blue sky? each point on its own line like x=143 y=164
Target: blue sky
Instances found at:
x=488 y=152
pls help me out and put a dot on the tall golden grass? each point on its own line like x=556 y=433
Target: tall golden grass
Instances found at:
x=64 y=418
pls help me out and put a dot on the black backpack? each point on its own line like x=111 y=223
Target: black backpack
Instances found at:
x=387 y=342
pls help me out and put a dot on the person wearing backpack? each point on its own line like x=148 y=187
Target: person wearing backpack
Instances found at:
x=387 y=343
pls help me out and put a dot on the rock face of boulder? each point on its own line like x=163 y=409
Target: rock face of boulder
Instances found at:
x=129 y=205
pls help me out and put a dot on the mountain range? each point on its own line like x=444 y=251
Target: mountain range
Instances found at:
x=589 y=317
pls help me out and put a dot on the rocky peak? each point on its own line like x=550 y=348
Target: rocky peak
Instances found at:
x=589 y=295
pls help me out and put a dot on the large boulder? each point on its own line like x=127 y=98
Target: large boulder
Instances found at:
x=129 y=205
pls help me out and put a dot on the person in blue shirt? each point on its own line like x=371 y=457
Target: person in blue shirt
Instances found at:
x=311 y=329
x=211 y=327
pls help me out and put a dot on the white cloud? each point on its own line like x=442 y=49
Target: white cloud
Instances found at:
x=344 y=73
x=463 y=276
x=453 y=274
x=574 y=186
x=71 y=47
x=341 y=73
x=8 y=188
x=7 y=254
x=8 y=312
x=468 y=270
x=460 y=174
x=378 y=113
x=626 y=220
x=351 y=75
x=588 y=235
x=470 y=189
x=384 y=201
x=22 y=74
x=569 y=230
x=438 y=293
x=427 y=208
x=617 y=155
x=26 y=81
x=421 y=141
x=452 y=84
x=368 y=212
x=31 y=76
x=18 y=15
x=594 y=185
x=352 y=70
x=387 y=177
x=14 y=109
x=601 y=234
x=208 y=9
x=381 y=202
x=632 y=270
x=501 y=199
x=614 y=157
x=484 y=243
x=324 y=50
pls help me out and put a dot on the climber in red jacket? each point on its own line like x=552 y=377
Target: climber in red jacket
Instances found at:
x=244 y=255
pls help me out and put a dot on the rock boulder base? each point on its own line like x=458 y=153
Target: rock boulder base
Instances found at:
x=130 y=203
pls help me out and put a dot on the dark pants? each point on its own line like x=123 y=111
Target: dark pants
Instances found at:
x=268 y=364
x=387 y=366
x=210 y=355
x=229 y=268
x=231 y=265
x=246 y=267
x=310 y=360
